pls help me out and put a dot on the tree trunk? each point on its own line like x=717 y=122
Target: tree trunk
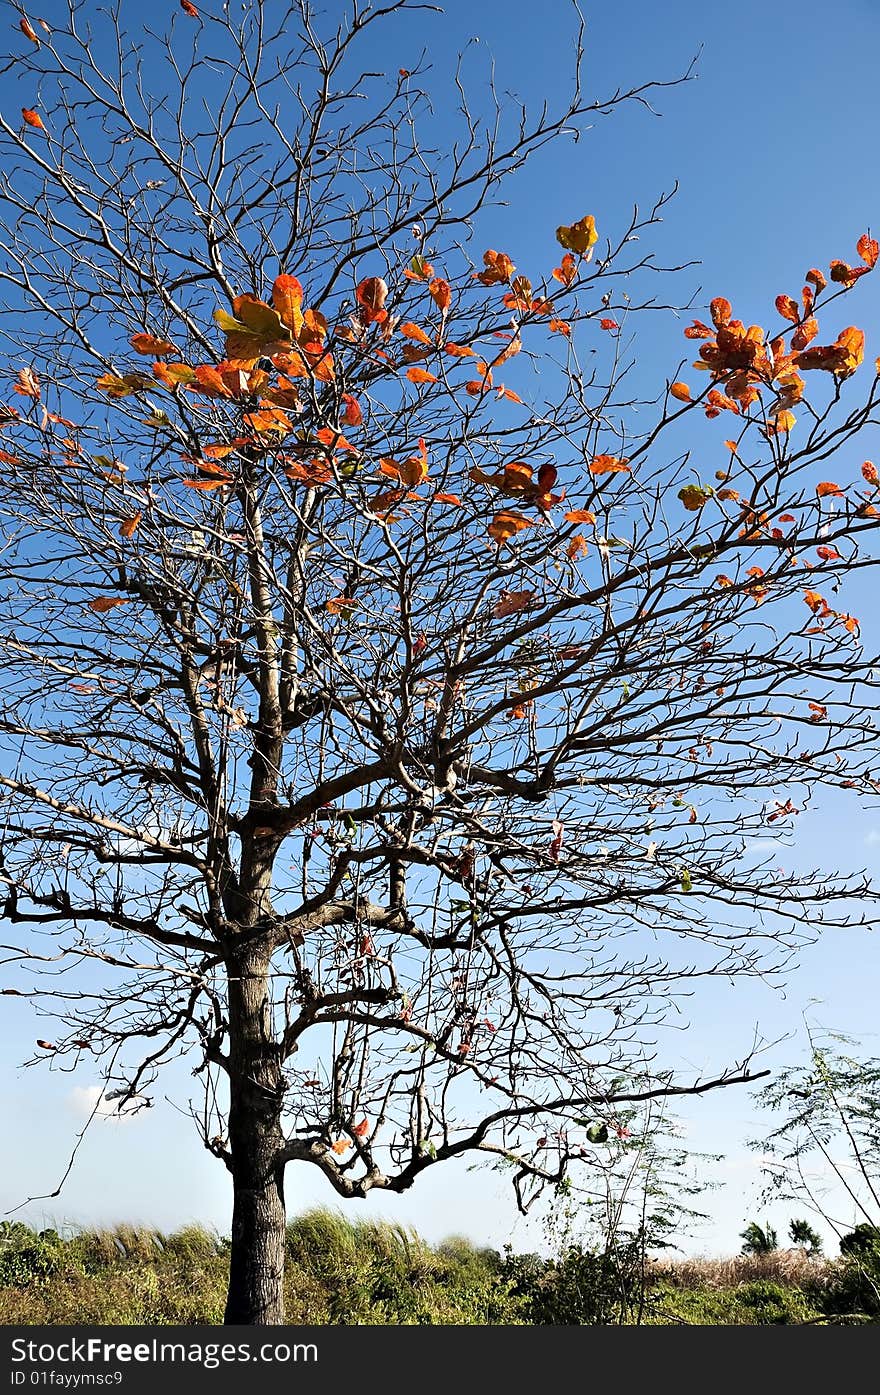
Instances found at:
x=256 y=1273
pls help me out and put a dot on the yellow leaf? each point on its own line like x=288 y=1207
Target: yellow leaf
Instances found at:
x=578 y=237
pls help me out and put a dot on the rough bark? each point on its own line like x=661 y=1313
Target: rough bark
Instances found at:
x=256 y=1278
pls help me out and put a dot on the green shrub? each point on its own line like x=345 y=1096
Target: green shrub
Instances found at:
x=759 y=1304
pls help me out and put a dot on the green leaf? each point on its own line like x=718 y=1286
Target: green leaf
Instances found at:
x=686 y=882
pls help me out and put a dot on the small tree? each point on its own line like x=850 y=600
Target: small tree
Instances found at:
x=824 y=1151
x=758 y=1240
x=802 y=1234
x=392 y=714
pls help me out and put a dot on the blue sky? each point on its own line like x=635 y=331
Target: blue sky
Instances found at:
x=774 y=146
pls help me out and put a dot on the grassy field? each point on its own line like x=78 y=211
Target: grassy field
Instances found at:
x=350 y=1274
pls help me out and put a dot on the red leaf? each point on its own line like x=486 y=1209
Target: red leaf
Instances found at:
x=189 y=9
x=511 y=602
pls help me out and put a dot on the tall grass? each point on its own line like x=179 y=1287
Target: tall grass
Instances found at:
x=338 y=1271
x=358 y=1272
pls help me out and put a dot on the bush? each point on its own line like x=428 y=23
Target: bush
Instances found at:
x=759 y=1304
x=27 y=1255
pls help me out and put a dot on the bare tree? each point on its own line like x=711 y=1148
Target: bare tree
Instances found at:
x=399 y=740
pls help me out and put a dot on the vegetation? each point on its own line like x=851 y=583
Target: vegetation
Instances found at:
x=759 y=1240
x=347 y=1273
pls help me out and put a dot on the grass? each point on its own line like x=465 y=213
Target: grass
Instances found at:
x=350 y=1273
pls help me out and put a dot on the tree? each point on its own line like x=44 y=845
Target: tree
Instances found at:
x=758 y=1240
x=400 y=740
x=824 y=1149
x=802 y=1234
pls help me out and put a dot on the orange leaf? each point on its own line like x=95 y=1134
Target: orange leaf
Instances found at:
x=209 y=484
x=869 y=471
x=128 y=526
x=681 y=391
x=498 y=269
x=805 y=333
x=371 y=294
x=337 y=605
x=148 y=344
x=868 y=249
x=341 y=1146
x=505 y=524
x=788 y=308
x=816 y=278
x=567 y=272
x=101 y=604
x=412 y=331
x=28 y=384
x=721 y=311
x=352 y=416
x=421 y=375
x=189 y=9
x=608 y=465
x=509 y=394
x=362 y=1129
x=411 y=473
x=611 y=325
x=32 y=118
x=287 y=295
x=173 y=374
x=577 y=547
x=840 y=358
x=452 y=499
x=27 y=29
x=580 y=516
x=827 y=490
x=560 y=327
x=272 y=421
x=440 y=293
x=458 y=350
x=847 y=275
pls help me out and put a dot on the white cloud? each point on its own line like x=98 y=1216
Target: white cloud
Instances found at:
x=88 y=1100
